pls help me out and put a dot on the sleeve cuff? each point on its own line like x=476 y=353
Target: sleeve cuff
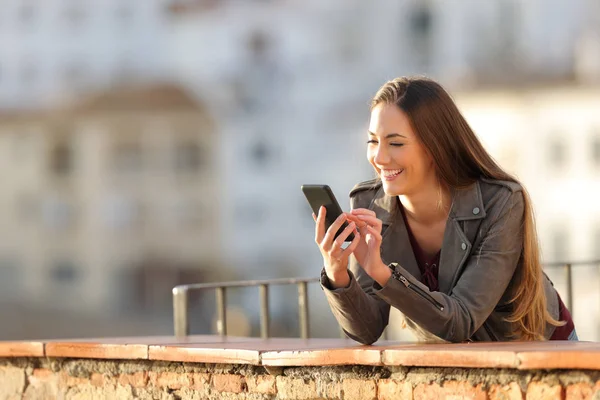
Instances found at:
x=326 y=283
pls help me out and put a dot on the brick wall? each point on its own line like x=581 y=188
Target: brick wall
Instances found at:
x=47 y=378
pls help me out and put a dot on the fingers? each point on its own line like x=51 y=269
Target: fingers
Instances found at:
x=370 y=221
x=339 y=241
x=327 y=241
x=374 y=233
x=320 y=226
x=362 y=211
x=352 y=246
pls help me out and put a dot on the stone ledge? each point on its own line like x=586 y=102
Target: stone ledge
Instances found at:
x=50 y=378
x=279 y=352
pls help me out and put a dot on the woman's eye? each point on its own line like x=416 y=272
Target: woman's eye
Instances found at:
x=397 y=144
x=372 y=142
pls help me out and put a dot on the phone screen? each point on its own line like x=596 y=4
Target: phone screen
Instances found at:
x=322 y=195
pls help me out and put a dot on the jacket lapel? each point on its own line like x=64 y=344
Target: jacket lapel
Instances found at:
x=467 y=206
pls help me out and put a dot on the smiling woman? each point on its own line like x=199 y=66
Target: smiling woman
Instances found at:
x=442 y=234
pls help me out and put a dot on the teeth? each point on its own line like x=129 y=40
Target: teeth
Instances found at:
x=391 y=172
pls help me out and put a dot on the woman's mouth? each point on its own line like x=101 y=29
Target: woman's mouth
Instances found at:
x=390 y=174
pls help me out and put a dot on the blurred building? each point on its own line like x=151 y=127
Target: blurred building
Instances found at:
x=110 y=203
x=58 y=49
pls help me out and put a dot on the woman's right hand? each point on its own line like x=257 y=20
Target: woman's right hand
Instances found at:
x=335 y=257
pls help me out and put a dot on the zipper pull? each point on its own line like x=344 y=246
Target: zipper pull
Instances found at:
x=404 y=281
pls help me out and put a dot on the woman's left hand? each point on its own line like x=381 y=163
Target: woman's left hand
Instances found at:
x=368 y=250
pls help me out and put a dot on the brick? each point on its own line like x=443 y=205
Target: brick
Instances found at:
x=136 y=380
x=512 y=391
x=261 y=384
x=65 y=380
x=97 y=380
x=229 y=383
x=169 y=380
x=543 y=391
x=294 y=388
x=43 y=384
x=579 y=391
x=329 y=390
x=389 y=389
x=13 y=382
x=359 y=389
x=201 y=381
x=449 y=390
x=42 y=373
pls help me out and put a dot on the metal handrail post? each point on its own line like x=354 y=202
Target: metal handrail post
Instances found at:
x=569 y=288
x=264 y=310
x=221 y=311
x=180 y=311
x=303 y=310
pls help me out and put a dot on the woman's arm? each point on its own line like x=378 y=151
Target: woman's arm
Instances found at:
x=360 y=312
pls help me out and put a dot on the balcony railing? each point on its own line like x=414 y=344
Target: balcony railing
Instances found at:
x=180 y=298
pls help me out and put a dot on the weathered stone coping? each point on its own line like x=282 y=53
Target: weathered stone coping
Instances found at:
x=280 y=352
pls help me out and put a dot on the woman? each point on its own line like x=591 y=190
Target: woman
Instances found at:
x=443 y=234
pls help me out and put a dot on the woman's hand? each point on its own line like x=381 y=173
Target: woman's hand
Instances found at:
x=368 y=250
x=335 y=257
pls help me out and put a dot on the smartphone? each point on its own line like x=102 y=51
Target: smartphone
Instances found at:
x=321 y=195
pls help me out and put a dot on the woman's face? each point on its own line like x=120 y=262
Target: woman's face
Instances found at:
x=398 y=157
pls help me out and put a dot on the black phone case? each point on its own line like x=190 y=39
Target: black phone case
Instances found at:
x=322 y=195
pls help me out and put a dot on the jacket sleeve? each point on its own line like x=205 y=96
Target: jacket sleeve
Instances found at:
x=485 y=277
x=358 y=310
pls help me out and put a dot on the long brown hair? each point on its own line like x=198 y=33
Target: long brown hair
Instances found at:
x=460 y=160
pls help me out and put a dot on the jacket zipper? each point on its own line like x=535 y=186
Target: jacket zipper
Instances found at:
x=420 y=292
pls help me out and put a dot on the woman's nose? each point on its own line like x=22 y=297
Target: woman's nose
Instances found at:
x=381 y=156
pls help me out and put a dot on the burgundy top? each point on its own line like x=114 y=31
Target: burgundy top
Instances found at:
x=429 y=268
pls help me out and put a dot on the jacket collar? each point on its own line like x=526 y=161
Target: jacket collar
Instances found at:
x=467 y=204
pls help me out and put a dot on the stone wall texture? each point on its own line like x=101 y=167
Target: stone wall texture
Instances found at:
x=46 y=378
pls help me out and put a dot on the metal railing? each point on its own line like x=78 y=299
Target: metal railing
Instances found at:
x=181 y=292
x=180 y=303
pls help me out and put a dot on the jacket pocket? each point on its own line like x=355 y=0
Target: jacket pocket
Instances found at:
x=419 y=291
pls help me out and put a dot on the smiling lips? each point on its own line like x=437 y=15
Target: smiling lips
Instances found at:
x=390 y=174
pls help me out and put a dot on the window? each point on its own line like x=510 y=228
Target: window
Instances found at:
x=64 y=272
x=261 y=154
x=57 y=213
x=420 y=28
x=122 y=213
x=61 y=158
x=188 y=157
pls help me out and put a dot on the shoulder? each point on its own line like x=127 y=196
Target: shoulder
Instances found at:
x=502 y=197
x=366 y=188
x=363 y=193
x=493 y=190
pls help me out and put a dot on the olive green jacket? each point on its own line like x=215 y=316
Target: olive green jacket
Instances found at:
x=481 y=251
